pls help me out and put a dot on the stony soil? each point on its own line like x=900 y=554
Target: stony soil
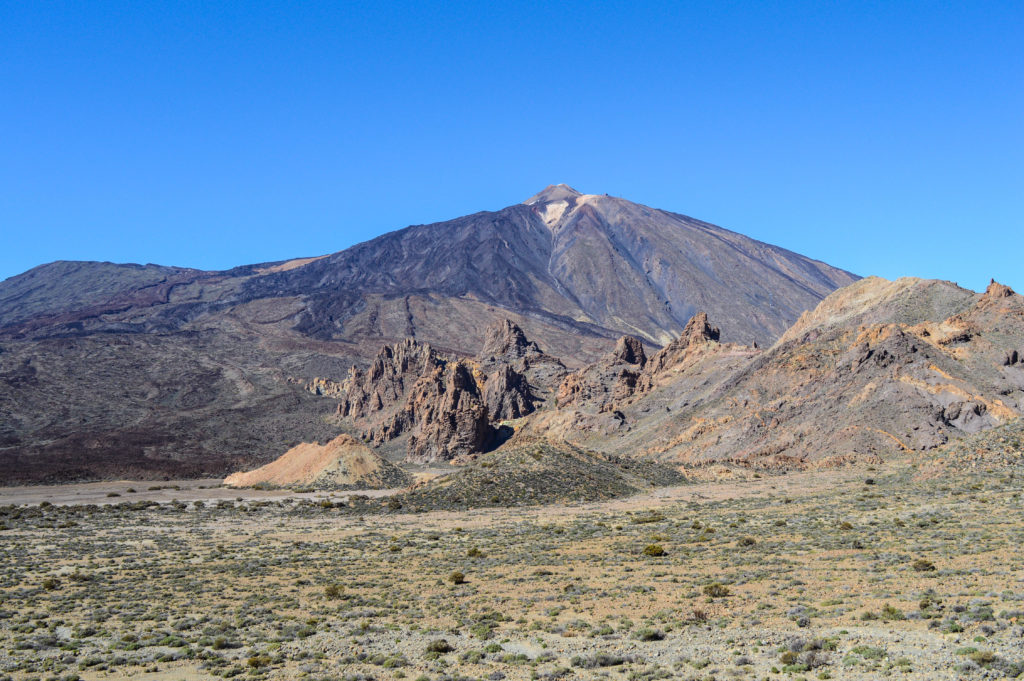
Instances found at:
x=849 y=574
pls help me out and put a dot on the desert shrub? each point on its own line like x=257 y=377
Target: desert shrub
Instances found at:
x=600 y=660
x=746 y=541
x=649 y=634
x=716 y=590
x=439 y=646
x=654 y=550
x=869 y=653
x=891 y=613
x=257 y=661
x=457 y=578
x=922 y=565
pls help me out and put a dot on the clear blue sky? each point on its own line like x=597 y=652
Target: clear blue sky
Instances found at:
x=883 y=137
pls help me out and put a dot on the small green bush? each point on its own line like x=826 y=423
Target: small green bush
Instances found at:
x=716 y=590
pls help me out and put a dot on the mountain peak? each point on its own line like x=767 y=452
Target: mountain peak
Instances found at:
x=553 y=192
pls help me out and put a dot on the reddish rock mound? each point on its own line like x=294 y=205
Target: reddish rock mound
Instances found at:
x=342 y=463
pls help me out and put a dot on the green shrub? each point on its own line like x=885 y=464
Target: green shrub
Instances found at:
x=891 y=613
x=716 y=590
x=439 y=646
x=649 y=634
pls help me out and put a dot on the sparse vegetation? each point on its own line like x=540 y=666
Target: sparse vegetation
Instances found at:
x=280 y=589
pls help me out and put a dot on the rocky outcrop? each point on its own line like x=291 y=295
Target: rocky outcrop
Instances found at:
x=446 y=416
x=526 y=377
x=611 y=379
x=626 y=371
x=445 y=407
x=442 y=412
x=507 y=394
x=697 y=333
x=505 y=340
x=996 y=291
x=395 y=369
x=342 y=463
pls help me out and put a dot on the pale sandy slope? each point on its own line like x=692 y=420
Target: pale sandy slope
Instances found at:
x=344 y=462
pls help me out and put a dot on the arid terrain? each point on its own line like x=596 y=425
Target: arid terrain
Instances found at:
x=906 y=570
x=462 y=451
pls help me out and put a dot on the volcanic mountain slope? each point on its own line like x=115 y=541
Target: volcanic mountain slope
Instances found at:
x=585 y=264
x=109 y=369
x=572 y=269
x=878 y=368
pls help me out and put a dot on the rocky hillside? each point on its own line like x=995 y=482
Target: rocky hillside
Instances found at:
x=525 y=473
x=878 y=369
x=108 y=369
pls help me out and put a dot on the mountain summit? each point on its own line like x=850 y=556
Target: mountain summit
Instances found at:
x=553 y=192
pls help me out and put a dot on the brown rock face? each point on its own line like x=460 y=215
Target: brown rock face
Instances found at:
x=629 y=350
x=996 y=290
x=627 y=372
x=446 y=416
x=444 y=406
x=505 y=340
x=611 y=379
x=507 y=394
x=385 y=383
x=698 y=333
x=534 y=377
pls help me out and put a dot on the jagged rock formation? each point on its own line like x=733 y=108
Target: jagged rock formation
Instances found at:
x=611 y=379
x=525 y=376
x=394 y=371
x=446 y=416
x=444 y=407
x=342 y=463
x=697 y=334
x=505 y=340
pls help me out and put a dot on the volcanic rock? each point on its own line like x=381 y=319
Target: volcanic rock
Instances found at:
x=446 y=416
x=507 y=394
x=611 y=379
x=504 y=339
